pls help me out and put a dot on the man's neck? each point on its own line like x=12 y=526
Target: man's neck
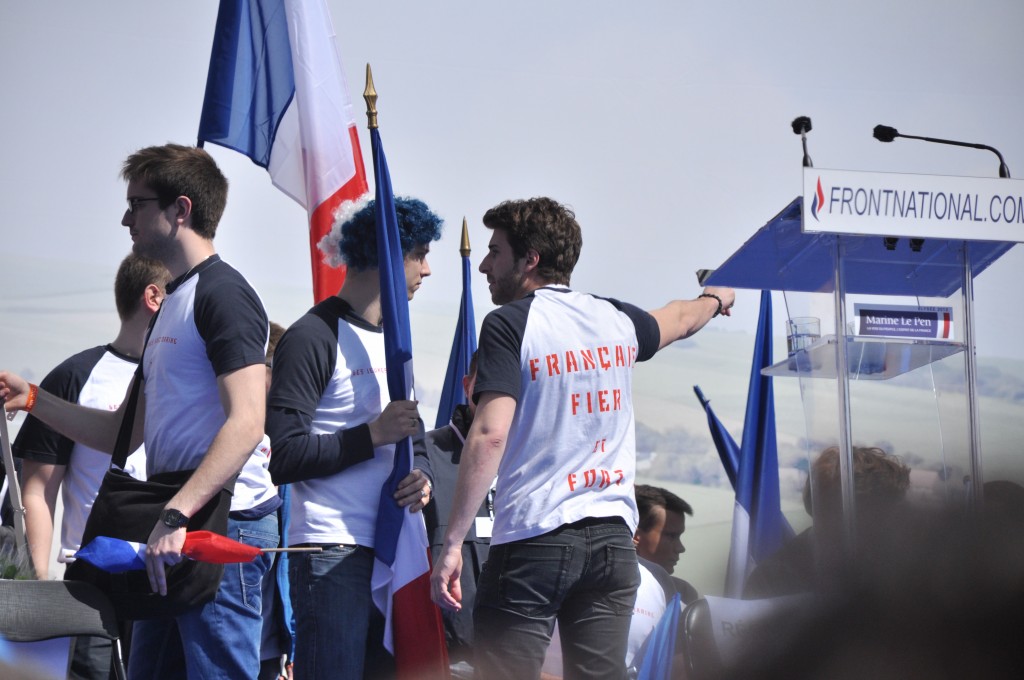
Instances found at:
x=132 y=334
x=530 y=284
x=361 y=290
x=192 y=250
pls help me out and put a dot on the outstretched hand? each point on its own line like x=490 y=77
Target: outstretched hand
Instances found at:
x=726 y=295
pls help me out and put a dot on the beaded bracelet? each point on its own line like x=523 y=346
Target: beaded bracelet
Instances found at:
x=715 y=297
x=33 y=392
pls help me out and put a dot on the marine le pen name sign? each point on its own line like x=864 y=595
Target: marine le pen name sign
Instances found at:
x=902 y=321
x=917 y=206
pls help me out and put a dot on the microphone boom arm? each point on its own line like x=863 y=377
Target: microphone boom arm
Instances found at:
x=884 y=133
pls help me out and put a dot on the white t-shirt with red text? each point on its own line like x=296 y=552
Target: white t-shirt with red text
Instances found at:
x=567 y=359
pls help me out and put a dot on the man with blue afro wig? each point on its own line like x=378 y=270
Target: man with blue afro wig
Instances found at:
x=333 y=434
x=352 y=240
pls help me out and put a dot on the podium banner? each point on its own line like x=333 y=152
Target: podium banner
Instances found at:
x=916 y=206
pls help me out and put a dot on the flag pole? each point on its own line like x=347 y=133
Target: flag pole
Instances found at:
x=13 y=487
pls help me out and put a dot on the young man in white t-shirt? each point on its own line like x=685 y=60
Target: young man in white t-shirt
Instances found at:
x=52 y=463
x=554 y=422
x=204 y=402
x=333 y=431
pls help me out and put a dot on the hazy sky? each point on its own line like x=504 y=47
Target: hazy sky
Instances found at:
x=666 y=125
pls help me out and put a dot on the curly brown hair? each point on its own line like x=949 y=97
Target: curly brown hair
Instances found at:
x=544 y=225
x=877 y=475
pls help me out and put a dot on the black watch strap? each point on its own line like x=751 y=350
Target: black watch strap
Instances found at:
x=175 y=519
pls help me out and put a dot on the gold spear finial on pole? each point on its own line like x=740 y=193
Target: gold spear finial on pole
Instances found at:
x=464 y=248
x=370 y=95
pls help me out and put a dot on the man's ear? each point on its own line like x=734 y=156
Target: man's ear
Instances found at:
x=183 y=208
x=636 y=540
x=531 y=261
x=152 y=297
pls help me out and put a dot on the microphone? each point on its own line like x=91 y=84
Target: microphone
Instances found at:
x=801 y=126
x=884 y=133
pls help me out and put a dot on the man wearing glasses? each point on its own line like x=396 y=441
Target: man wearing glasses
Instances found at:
x=204 y=395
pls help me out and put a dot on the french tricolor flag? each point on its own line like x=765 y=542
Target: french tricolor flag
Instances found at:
x=758 y=526
x=276 y=92
x=401 y=569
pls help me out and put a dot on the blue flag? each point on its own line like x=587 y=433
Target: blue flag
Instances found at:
x=759 y=528
x=250 y=83
x=660 y=647
x=463 y=347
x=728 y=450
x=401 y=569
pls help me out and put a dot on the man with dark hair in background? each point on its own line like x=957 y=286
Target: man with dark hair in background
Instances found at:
x=52 y=463
x=658 y=536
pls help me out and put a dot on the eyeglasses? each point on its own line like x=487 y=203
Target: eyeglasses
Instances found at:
x=133 y=203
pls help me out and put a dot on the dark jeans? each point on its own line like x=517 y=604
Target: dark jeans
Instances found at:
x=339 y=633
x=90 y=658
x=584 y=574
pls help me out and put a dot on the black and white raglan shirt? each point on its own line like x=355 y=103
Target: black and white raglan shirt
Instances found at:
x=97 y=378
x=567 y=359
x=330 y=380
x=211 y=323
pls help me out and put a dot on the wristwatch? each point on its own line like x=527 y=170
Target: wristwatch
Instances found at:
x=173 y=518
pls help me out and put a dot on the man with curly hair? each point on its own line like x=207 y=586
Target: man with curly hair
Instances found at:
x=333 y=433
x=554 y=422
x=880 y=483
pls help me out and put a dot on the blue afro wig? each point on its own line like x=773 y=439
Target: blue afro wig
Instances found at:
x=357 y=246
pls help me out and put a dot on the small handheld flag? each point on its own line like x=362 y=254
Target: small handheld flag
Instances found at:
x=116 y=555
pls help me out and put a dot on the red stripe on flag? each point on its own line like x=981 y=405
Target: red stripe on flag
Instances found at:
x=326 y=279
x=417 y=628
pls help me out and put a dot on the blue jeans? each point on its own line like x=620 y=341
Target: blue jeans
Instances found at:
x=339 y=633
x=584 y=574
x=221 y=639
